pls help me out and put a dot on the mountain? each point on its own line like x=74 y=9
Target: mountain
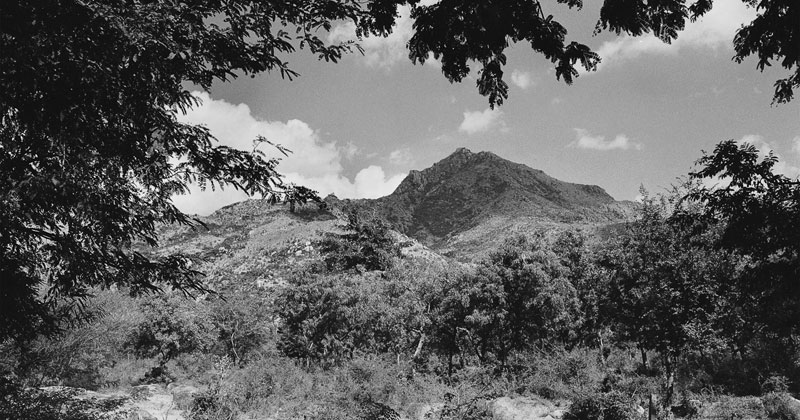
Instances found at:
x=469 y=202
x=463 y=206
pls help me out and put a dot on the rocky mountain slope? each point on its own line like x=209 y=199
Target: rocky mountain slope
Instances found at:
x=463 y=206
x=469 y=202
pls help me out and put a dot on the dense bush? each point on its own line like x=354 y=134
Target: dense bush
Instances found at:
x=603 y=406
x=172 y=325
x=366 y=245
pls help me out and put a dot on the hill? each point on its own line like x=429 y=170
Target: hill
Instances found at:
x=463 y=206
x=469 y=202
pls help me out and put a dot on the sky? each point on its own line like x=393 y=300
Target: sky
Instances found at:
x=357 y=127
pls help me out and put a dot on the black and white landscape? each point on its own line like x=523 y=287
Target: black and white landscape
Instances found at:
x=427 y=209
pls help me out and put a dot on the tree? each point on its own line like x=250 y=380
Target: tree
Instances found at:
x=519 y=296
x=459 y=31
x=92 y=89
x=667 y=291
x=367 y=245
x=758 y=213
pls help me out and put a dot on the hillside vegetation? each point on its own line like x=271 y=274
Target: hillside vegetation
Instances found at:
x=689 y=310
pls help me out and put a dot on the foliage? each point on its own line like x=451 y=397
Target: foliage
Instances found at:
x=89 y=131
x=82 y=355
x=243 y=324
x=329 y=318
x=519 y=295
x=172 y=326
x=668 y=290
x=772 y=35
x=781 y=406
x=92 y=150
x=757 y=211
x=760 y=212
x=605 y=406
x=367 y=245
x=556 y=373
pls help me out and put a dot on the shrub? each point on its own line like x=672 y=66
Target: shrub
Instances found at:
x=781 y=406
x=602 y=406
x=367 y=245
x=562 y=374
x=172 y=326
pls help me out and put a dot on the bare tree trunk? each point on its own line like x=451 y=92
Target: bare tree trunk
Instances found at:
x=669 y=367
x=602 y=347
x=652 y=409
x=418 y=351
x=233 y=344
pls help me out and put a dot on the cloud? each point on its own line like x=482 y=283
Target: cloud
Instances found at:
x=481 y=121
x=796 y=145
x=584 y=140
x=401 y=157
x=314 y=163
x=350 y=150
x=384 y=52
x=522 y=79
x=714 y=30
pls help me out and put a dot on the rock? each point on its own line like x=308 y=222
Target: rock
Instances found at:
x=139 y=414
x=183 y=395
x=523 y=408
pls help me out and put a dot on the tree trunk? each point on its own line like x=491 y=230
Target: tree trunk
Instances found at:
x=644 y=357
x=418 y=351
x=602 y=349
x=450 y=366
x=669 y=368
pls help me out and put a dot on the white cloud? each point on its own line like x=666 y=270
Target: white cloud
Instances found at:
x=796 y=145
x=481 y=121
x=714 y=30
x=584 y=140
x=522 y=79
x=314 y=163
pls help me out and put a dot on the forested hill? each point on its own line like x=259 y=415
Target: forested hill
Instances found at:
x=466 y=202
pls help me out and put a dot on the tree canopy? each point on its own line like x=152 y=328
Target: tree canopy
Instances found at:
x=92 y=151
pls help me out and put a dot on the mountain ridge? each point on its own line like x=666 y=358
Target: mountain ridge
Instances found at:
x=465 y=192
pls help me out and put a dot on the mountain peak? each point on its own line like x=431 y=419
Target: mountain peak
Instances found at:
x=465 y=188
